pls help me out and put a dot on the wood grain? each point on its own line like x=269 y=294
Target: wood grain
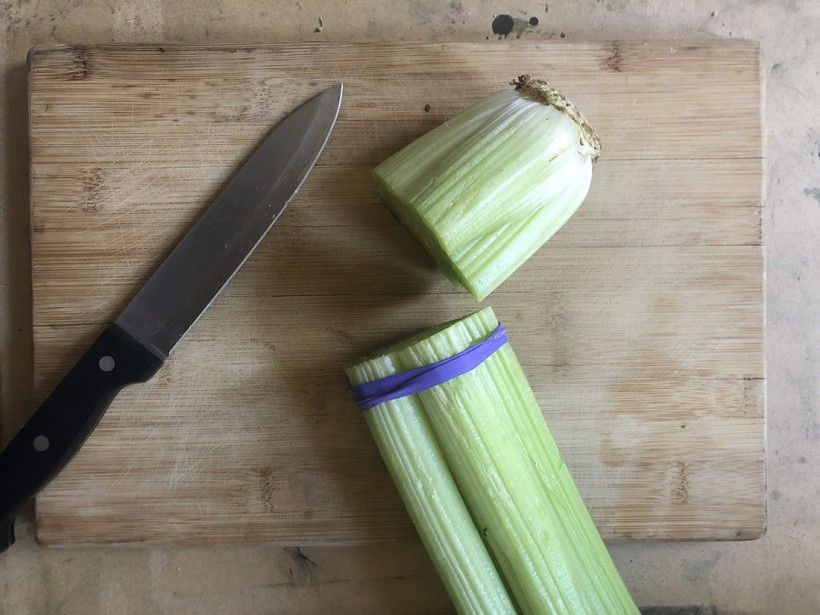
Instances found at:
x=640 y=325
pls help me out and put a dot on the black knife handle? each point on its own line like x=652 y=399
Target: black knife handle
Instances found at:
x=52 y=436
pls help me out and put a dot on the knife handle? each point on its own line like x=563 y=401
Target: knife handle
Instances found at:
x=51 y=437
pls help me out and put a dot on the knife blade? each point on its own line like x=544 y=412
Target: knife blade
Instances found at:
x=135 y=346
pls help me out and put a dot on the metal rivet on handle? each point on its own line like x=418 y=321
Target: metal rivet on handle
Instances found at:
x=106 y=363
x=40 y=444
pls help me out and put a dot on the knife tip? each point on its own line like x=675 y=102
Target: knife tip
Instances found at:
x=337 y=89
x=333 y=95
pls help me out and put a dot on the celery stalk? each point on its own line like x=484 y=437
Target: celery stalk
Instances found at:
x=509 y=473
x=416 y=464
x=483 y=191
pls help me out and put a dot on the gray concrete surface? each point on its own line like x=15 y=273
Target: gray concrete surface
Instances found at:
x=779 y=573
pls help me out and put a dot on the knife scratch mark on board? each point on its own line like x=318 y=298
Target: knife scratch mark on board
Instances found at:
x=134 y=455
x=118 y=184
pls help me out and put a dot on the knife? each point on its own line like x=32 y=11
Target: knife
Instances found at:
x=139 y=341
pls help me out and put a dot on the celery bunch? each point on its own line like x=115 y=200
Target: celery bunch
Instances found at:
x=483 y=191
x=472 y=457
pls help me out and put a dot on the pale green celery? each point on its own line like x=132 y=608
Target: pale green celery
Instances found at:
x=416 y=464
x=510 y=474
x=466 y=188
x=456 y=131
x=497 y=260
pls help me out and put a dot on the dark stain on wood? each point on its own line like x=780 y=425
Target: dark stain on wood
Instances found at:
x=91 y=181
x=614 y=60
x=304 y=562
x=266 y=488
x=244 y=49
x=559 y=330
x=502 y=25
x=753 y=533
x=80 y=68
x=680 y=494
x=341 y=334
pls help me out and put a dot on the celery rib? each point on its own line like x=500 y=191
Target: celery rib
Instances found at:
x=416 y=464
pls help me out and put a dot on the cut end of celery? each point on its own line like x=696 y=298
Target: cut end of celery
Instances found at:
x=458 y=333
x=426 y=236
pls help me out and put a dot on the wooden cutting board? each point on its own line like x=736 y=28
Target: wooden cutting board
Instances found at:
x=640 y=325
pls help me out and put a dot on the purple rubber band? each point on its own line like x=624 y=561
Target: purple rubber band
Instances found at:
x=418 y=379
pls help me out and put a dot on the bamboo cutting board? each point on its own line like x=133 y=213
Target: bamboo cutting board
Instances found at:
x=640 y=325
